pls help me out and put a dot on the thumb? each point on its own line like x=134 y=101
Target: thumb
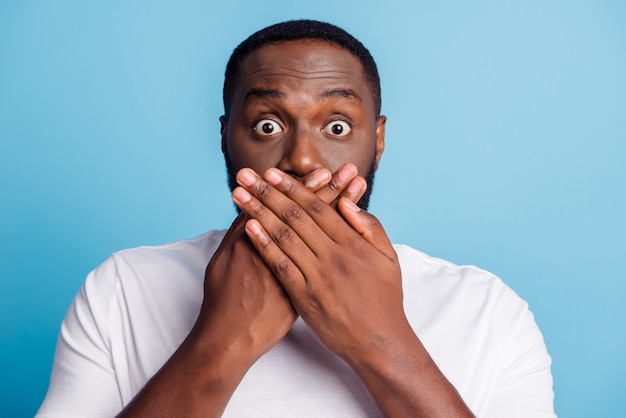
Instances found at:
x=367 y=225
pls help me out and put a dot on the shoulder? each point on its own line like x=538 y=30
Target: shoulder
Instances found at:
x=153 y=285
x=436 y=284
x=419 y=266
x=171 y=260
x=148 y=269
x=189 y=252
x=480 y=333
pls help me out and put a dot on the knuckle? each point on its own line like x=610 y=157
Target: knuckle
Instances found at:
x=282 y=267
x=283 y=234
x=257 y=211
x=316 y=206
x=313 y=302
x=333 y=187
x=340 y=266
x=262 y=189
x=292 y=213
x=373 y=221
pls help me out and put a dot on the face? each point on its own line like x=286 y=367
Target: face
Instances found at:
x=300 y=106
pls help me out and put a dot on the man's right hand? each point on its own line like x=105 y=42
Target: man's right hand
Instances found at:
x=245 y=313
x=245 y=310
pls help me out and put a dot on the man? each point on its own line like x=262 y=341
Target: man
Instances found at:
x=305 y=309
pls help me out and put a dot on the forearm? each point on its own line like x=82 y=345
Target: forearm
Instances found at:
x=198 y=380
x=355 y=311
x=404 y=381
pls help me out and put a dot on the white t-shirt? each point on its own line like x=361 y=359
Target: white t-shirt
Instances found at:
x=135 y=309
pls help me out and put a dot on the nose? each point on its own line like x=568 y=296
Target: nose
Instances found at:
x=301 y=154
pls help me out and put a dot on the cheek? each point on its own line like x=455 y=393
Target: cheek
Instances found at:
x=252 y=154
x=335 y=156
x=362 y=156
x=361 y=149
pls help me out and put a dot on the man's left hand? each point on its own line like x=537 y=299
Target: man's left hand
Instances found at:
x=337 y=266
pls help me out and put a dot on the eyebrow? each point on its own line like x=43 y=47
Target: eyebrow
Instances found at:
x=265 y=93
x=328 y=94
x=346 y=93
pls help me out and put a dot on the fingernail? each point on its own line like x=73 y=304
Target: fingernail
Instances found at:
x=241 y=195
x=350 y=204
x=320 y=176
x=355 y=187
x=246 y=177
x=253 y=226
x=346 y=172
x=273 y=177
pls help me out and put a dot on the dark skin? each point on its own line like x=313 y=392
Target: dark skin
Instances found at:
x=302 y=110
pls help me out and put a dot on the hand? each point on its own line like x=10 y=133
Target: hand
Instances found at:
x=338 y=267
x=245 y=310
x=244 y=313
x=343 y=278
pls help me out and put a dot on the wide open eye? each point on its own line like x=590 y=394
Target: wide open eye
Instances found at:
x=267 y=127
x=338 y=128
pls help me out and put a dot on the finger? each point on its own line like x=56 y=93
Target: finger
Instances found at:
x=340 y=180
x=355 y=190
x=326 y=219
x=317 y=179
x=278 y=215
x=367 y=226
x=284 y=269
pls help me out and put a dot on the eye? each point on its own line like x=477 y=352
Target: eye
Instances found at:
x=338 y=128
x=267 y=127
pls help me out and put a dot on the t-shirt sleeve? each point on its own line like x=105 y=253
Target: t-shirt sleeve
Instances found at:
x=523 y=387
x=83 y=381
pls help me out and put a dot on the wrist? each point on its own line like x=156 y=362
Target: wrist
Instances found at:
x=216 y=364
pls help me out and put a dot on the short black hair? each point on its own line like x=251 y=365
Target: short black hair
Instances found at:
x=295 y=30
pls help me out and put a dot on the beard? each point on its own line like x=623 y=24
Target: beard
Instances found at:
x=363 y=202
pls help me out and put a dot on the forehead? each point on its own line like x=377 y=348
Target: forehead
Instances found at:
x=294 y=63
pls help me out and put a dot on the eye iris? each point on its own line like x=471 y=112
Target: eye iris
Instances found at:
x=337 y=129
x=267 y=128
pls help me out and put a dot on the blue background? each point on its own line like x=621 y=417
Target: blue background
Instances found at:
x=505 y=149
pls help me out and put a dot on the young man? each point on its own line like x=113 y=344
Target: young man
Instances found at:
x=305 y=308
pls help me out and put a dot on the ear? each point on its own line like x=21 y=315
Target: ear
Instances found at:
x=380 y=138
x=223 y=131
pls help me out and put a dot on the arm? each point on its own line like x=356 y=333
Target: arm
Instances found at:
x=82 y=356
x=342 y=276
x=524 y=384
x=245 y=312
